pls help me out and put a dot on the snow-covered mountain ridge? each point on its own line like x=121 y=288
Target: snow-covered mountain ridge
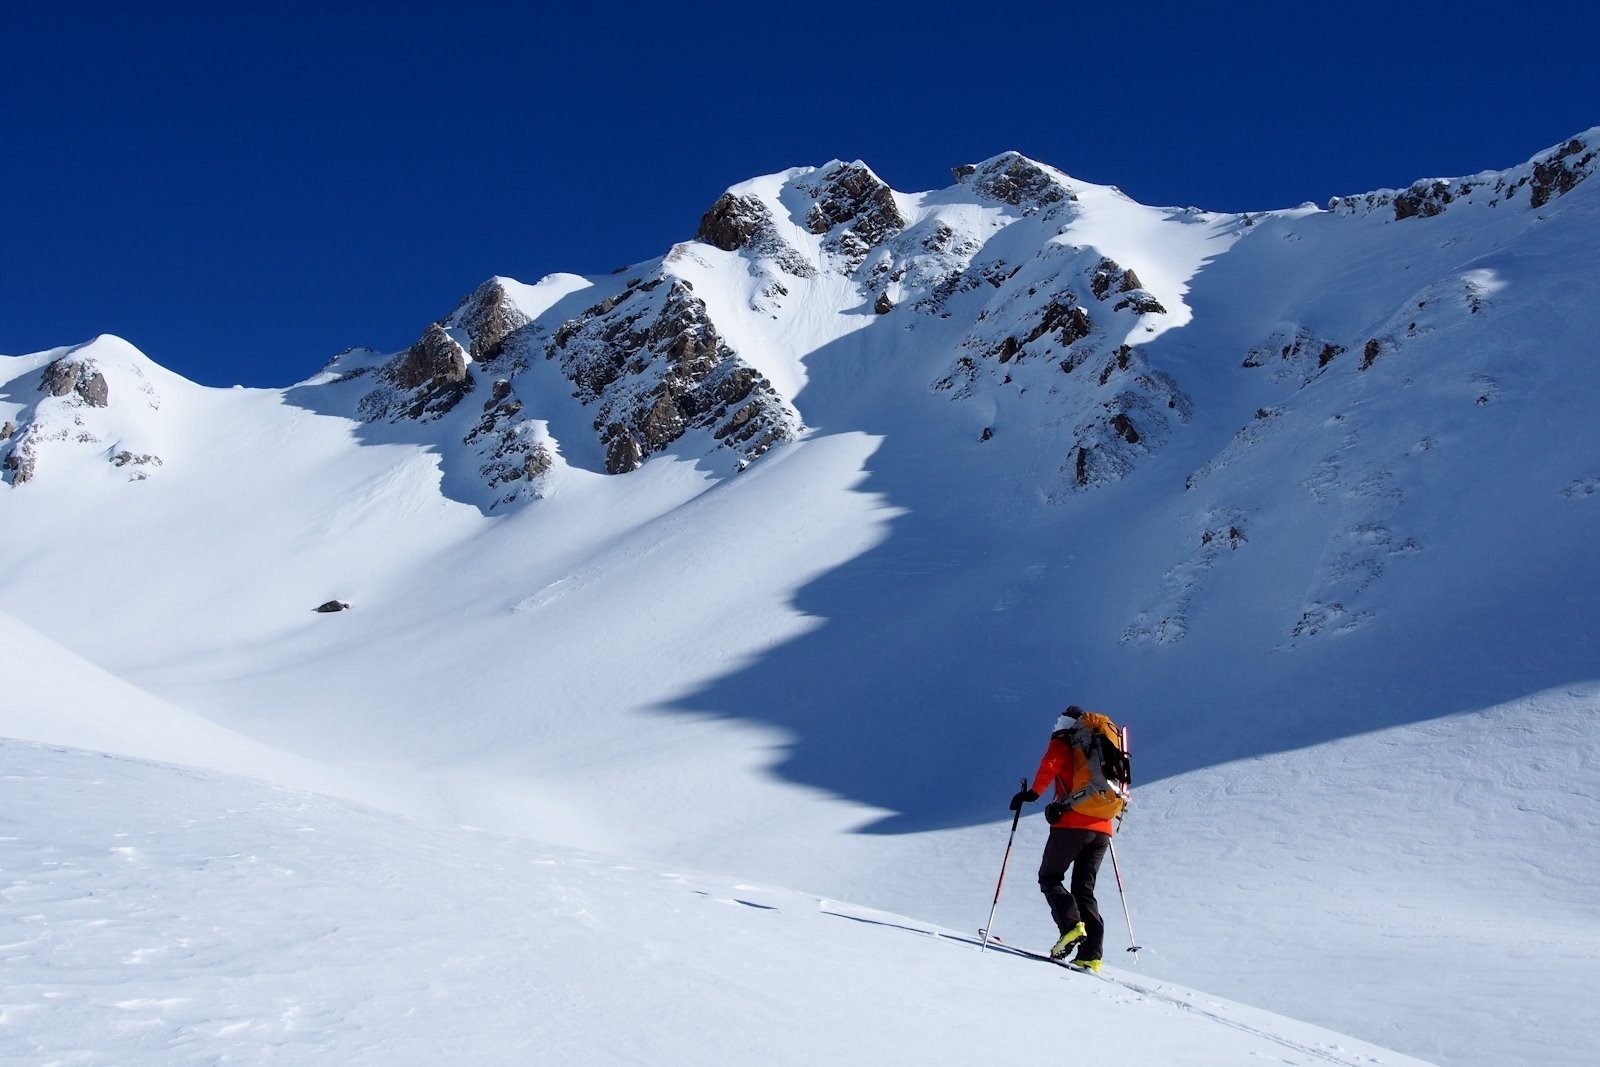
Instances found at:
x=777 y=554
x=1014 y=251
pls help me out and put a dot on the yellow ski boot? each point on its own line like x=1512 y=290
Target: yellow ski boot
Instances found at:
x=1068 y=939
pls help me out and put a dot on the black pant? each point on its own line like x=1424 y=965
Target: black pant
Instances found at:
x=1082 y=850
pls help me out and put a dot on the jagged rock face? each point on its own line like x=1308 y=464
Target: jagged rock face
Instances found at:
x=1058 y=326
x=851 y=200
x=1425 y=200
x=1109 y=276
x=423 y=382
x=654 y=366
x=1559 y=172
x=732 y=222
x=1049 y=317
x=431 y=378
x=513 y=458
x=436 y=359
x=1015 y=180
x=489 y=316
x=743 y=223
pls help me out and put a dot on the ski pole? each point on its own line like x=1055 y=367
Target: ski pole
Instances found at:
x=1016 y=817
x=1133 y=944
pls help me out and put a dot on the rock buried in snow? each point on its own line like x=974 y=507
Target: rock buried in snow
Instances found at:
x=333 y=605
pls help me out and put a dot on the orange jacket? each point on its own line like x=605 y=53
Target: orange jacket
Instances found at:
x=1056 y=766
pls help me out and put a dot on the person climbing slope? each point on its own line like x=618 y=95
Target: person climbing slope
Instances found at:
x=1086 y=763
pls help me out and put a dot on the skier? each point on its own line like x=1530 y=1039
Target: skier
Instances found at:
x=1088 y=797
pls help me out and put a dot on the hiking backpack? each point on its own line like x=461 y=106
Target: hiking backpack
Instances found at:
x=1100 y=775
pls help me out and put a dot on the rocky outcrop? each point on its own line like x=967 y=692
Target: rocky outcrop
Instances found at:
x=76 y=376
x=1119 y=407
x=69 y=385
x=137 y=463
x=22 y=461
x=1549 y=175
x=1109 y=276
x=1059 y=319
x=854 y=208
x=655 y=367
x=1302 y=353
x=733 y=222
x=1016 y=180
x=434 y=361
x=1133 y=423
x=1062 y=316
x=513 y=456
x=506 y=450
x=1558 y=171
x=1370 y=352
x=423 y=382
x=743 y=223
x=489 y=316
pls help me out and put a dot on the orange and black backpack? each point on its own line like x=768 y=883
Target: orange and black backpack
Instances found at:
x=1100 y=775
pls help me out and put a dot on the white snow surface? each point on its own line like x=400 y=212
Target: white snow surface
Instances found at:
x=1348 y=604
x=169 y=915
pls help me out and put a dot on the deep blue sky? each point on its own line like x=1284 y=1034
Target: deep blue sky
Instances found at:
x=244 y=190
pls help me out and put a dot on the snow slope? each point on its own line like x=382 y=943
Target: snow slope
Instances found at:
x=1358 y=521
x=154 y=914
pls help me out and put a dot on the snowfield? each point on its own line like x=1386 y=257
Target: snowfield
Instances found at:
x=1307 y=498
x=160 y=914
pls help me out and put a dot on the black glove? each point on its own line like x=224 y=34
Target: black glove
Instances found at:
x=1027 y=796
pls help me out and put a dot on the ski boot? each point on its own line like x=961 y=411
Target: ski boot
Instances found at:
x=1071 y=937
